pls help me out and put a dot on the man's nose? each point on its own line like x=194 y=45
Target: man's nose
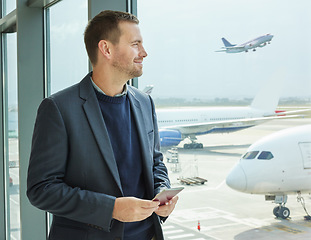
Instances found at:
x=143 y=52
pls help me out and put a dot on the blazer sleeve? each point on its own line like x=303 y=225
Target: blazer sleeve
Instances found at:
x=46 y=188
x=160 y=174
x=161 y=179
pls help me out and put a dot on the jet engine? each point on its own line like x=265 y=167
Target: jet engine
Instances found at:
x=248 y=46
x=169 y=137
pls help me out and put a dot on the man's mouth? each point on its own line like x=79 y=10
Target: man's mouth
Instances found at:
x=139 y=61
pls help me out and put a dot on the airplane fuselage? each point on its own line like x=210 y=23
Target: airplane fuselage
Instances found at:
x=257 y=42
x=283 y=168
x=169 y=118
x=176 y=124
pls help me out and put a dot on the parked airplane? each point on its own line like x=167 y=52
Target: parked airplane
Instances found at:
x=277 y=165
x=148 y=89
x=177 y=124
x=244 y=47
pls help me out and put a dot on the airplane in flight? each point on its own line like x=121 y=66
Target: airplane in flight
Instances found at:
x=177 y=124
x=276 y=165
x=244 y=47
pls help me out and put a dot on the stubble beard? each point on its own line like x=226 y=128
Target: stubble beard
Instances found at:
x=127 y=70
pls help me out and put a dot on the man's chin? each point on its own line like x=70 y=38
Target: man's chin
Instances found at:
x=137 y=74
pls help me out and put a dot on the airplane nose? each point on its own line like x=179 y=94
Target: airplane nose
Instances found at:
x=236 y=179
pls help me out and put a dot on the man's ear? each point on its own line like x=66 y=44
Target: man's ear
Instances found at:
x=104 y=48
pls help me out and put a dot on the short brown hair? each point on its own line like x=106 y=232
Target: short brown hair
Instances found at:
x=104 y=26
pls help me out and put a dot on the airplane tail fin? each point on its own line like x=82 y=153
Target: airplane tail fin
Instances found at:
x=227 y=43
x=148 y=89
x=268 y=96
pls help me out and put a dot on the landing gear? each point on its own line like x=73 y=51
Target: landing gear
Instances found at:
x=281 y=211
x=193 y=144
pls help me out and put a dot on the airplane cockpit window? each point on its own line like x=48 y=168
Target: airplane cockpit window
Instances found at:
x=250 y=155
x=265 y=155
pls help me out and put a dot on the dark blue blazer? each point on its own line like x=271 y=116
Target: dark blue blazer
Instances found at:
x=72 y=171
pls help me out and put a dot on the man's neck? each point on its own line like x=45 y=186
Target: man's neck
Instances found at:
x=110 y=85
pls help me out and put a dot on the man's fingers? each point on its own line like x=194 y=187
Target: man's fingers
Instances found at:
x=166 y=209
x=148 y=204
x=131 y=209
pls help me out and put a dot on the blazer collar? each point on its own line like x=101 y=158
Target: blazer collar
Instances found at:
x=95 y=118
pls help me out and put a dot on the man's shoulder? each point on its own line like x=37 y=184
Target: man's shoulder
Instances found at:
x=144 y=99
x=137 y=93
x=66 y=94
x=72 y=91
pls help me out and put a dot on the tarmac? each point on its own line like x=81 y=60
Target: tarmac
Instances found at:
x=214 y=211
x=221 y=212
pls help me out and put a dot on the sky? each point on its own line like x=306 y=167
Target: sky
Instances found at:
x=181 y=38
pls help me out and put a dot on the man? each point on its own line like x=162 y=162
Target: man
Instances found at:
x=95 y=162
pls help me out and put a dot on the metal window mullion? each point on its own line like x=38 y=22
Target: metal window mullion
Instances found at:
x=8 y=22
x=47 y=53
x=5 y=220
x=3 y=232
x=41 y=3
x=2 y=174
x=132 y=8
x=30 y=74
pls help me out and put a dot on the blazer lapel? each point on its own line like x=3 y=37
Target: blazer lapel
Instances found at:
x=143 y=136
x=95 y=118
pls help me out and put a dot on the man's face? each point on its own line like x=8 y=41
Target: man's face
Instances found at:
x=129 y=53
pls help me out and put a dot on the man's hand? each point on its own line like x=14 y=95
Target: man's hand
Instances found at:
x=168 y=208
x=131 y=209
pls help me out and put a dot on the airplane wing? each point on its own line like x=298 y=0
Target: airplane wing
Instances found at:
x=293 y=111
x=236 y=48
x=222 y=126
x=221 y=50
x=232 y=49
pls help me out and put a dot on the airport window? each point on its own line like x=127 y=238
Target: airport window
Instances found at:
x=9 y=6
x=12 y=158
x=250 y=155
x=200 y=57
x=68 y=62
x=264 y=155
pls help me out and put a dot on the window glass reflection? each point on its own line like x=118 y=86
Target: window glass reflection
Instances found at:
x=68 y=58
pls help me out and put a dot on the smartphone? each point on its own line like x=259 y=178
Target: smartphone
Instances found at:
x=167 y=194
